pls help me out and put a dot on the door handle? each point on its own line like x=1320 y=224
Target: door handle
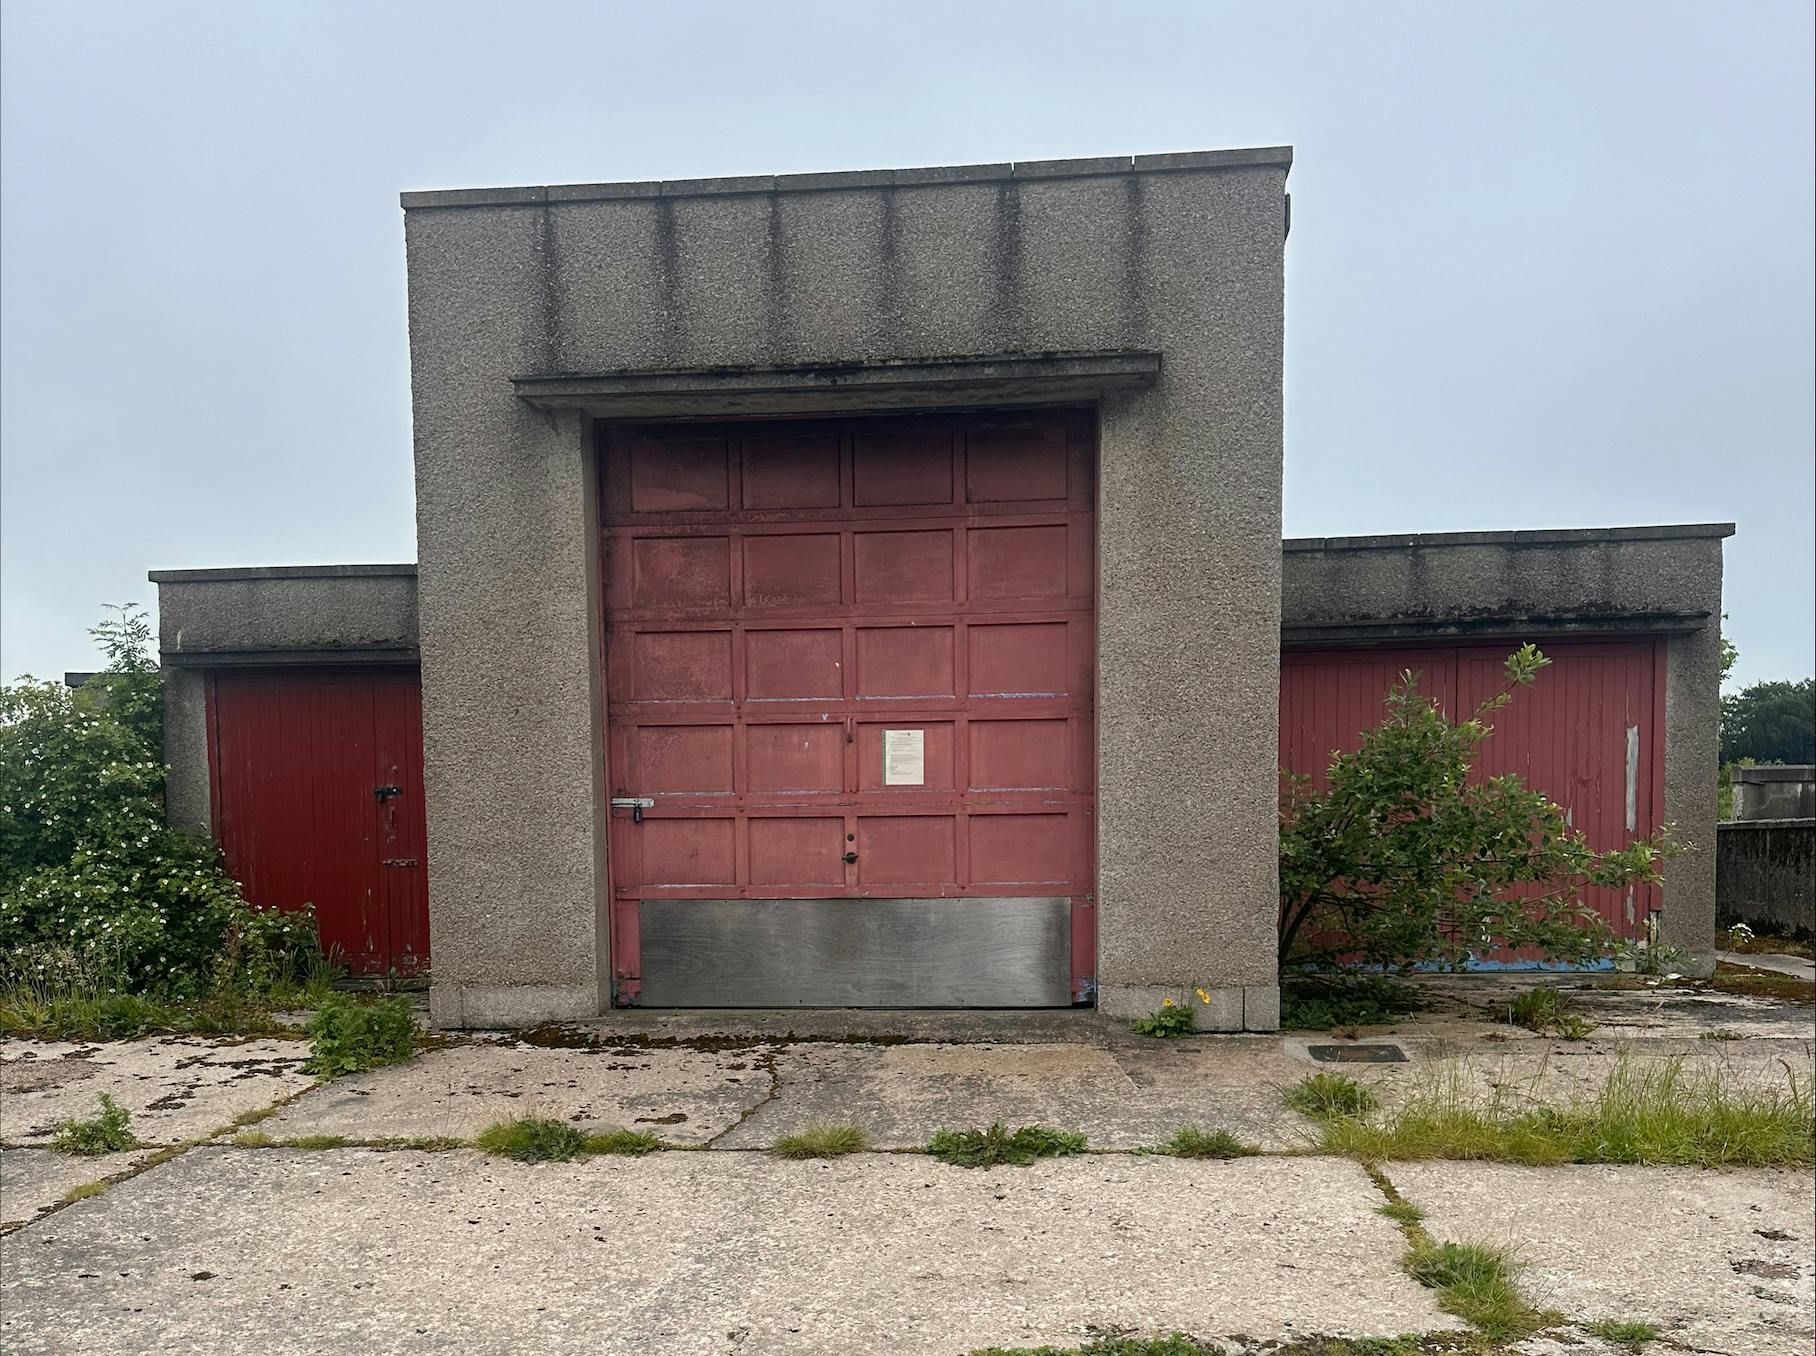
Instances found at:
x=850 y=857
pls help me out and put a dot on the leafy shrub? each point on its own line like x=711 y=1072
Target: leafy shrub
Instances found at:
x=1193 y=1143
x=533 y=1139
x=822 y=1141
x=988 y=1148
x=1321 y=1002
x=108 y=1131
x=89 y=868
x=1328 y=1096
x=1404 y=860
x=347 y=1036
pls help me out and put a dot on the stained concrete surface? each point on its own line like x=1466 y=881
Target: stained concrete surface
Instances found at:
x=686 y=1096
x=683 y=1254
x=1721 y=1260
x=175 y=1088
x=32 y=1180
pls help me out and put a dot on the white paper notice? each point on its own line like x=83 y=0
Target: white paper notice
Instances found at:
x=904 y=757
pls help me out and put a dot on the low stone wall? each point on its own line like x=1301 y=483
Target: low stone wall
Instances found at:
x=1765 y=876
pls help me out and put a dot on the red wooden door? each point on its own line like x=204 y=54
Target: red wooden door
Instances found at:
x=317 y=788
x=1588 y=732
x=851 y=659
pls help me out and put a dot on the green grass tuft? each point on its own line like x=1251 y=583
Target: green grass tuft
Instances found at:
x=315 y=1142
x=1188 y=1142
x=253 y=1139
x=84 y=1191
x=633 y=1143
x=1630 y=1333
x=1545 y=1009
x=822 y=1141
x=1329 y=1096
x=1477 y=1284
x=1654 y=1113
x=532 y=1139
x=1401 y=1212
x=988 y=1148
x=108 y=1131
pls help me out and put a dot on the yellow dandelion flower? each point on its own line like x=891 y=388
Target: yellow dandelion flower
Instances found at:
x=1203 y=997
x=1166 y=1002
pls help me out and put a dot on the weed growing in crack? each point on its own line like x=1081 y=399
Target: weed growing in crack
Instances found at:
x=997 y=1145
x=1478 y=1284
x=1188 y=1142
x=533 y=1139
x=108 y=1131
x=84 y=1191
x=1653 y=1113
x=1632 y=1334
x=1329 y=1096
x=347 y=1036
x=1401 y=1211
x=632 y=1143
x=822 y=1141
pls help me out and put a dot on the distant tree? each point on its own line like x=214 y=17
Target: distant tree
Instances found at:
x=1771 y=722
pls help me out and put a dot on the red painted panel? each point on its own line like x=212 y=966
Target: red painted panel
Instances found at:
x=296 y=762
x=1585 y=733
x=918 y=573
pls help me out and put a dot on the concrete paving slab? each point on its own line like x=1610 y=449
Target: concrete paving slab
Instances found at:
x=688 y=1254
x=32 y=1180
x=1721 y=1260
x=175 y=1088
x=1799 y=967
x=1122 y=1098
x=686 y=1096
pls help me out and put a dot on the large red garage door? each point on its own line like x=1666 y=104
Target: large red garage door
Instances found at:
x=1589 y=732
x=318 y=800
x=850 y=672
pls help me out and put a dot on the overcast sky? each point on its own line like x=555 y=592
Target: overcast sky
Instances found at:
x=1550 y=266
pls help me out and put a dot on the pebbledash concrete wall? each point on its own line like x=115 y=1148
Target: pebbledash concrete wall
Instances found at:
x=265 y=616
x=1180 y=256
x=1657 y=580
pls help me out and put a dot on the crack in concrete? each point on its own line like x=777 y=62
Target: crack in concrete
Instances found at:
x=766 y=1062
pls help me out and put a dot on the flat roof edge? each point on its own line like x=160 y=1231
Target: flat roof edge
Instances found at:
x=1279 y=157
x=1564 y=536
x=231 y=573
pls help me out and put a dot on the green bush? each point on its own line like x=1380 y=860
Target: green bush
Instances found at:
x=347 y=1036
x=91 y=877
x=108 y=1131
x=988 y=1148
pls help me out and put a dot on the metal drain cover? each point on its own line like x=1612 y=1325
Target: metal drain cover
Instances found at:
x=1357 y=1054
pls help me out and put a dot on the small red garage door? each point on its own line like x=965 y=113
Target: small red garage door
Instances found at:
x=852 y=660
x=1589 y=732
x=317 y=781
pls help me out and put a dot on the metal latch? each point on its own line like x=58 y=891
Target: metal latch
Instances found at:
x=635 y=804
x=399 y=861
x=385 y=793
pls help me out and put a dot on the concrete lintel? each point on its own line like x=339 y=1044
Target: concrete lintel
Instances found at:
x=960 y=381
x=378 y=656
x=1363 y=630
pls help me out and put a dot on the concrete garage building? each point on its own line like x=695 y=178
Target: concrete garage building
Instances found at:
x=868 y=589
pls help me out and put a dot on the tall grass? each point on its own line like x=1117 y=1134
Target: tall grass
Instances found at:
x=1650 y=1113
